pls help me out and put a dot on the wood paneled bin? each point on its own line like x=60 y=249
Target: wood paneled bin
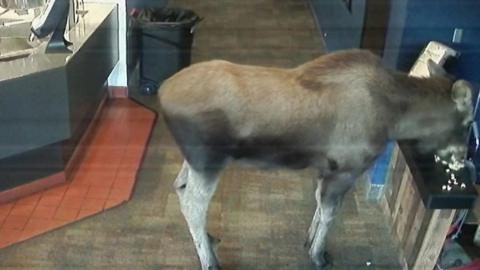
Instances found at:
x=420 y=232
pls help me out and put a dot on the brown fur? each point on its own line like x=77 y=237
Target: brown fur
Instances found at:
x=335 y=103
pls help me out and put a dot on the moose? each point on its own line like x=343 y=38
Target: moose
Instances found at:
x=334 y=114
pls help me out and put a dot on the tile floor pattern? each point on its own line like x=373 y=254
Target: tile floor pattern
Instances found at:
x=105 y=178
x=261 y=217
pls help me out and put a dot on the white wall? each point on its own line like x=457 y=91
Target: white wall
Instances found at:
x=118 y=77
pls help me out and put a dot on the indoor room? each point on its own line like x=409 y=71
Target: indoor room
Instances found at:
x=239 y=135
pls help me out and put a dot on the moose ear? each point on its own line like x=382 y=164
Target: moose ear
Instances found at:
x=462 y=95
x=435 y=69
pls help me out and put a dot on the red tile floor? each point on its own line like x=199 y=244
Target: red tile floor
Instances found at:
x=105 y=177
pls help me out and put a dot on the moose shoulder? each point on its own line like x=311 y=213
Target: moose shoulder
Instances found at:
x=335 y=114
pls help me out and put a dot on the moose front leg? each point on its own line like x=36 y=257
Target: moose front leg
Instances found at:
x=330 y=192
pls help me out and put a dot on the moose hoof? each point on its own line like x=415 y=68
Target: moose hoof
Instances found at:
x=214 y=268
x=323 y=262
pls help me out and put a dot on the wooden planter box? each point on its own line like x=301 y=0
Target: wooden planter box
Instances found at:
x=420 y=232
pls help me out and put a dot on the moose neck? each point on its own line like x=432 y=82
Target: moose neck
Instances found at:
x=424 y=105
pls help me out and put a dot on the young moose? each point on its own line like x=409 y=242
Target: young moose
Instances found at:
x=334 y=114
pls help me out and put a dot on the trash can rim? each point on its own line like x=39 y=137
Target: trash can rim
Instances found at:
x=169 y=24
x=192 y=17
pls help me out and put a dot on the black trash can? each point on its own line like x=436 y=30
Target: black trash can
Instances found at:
x=166 y=37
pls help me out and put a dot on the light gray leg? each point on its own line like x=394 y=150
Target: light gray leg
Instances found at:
x=312 y=230
x=195 y=191
x=331 y=193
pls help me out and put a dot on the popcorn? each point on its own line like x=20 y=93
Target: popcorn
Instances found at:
x=452 y=165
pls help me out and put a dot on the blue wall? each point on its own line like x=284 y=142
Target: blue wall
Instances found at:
x=413 y=23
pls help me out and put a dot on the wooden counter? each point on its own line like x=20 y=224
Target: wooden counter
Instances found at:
x=48 y=100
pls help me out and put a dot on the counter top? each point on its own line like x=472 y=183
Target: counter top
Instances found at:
x=11 y=15
x=38 y=61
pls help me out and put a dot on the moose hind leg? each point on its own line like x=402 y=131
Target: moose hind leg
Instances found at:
x=195 y=190
x=331 y=193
